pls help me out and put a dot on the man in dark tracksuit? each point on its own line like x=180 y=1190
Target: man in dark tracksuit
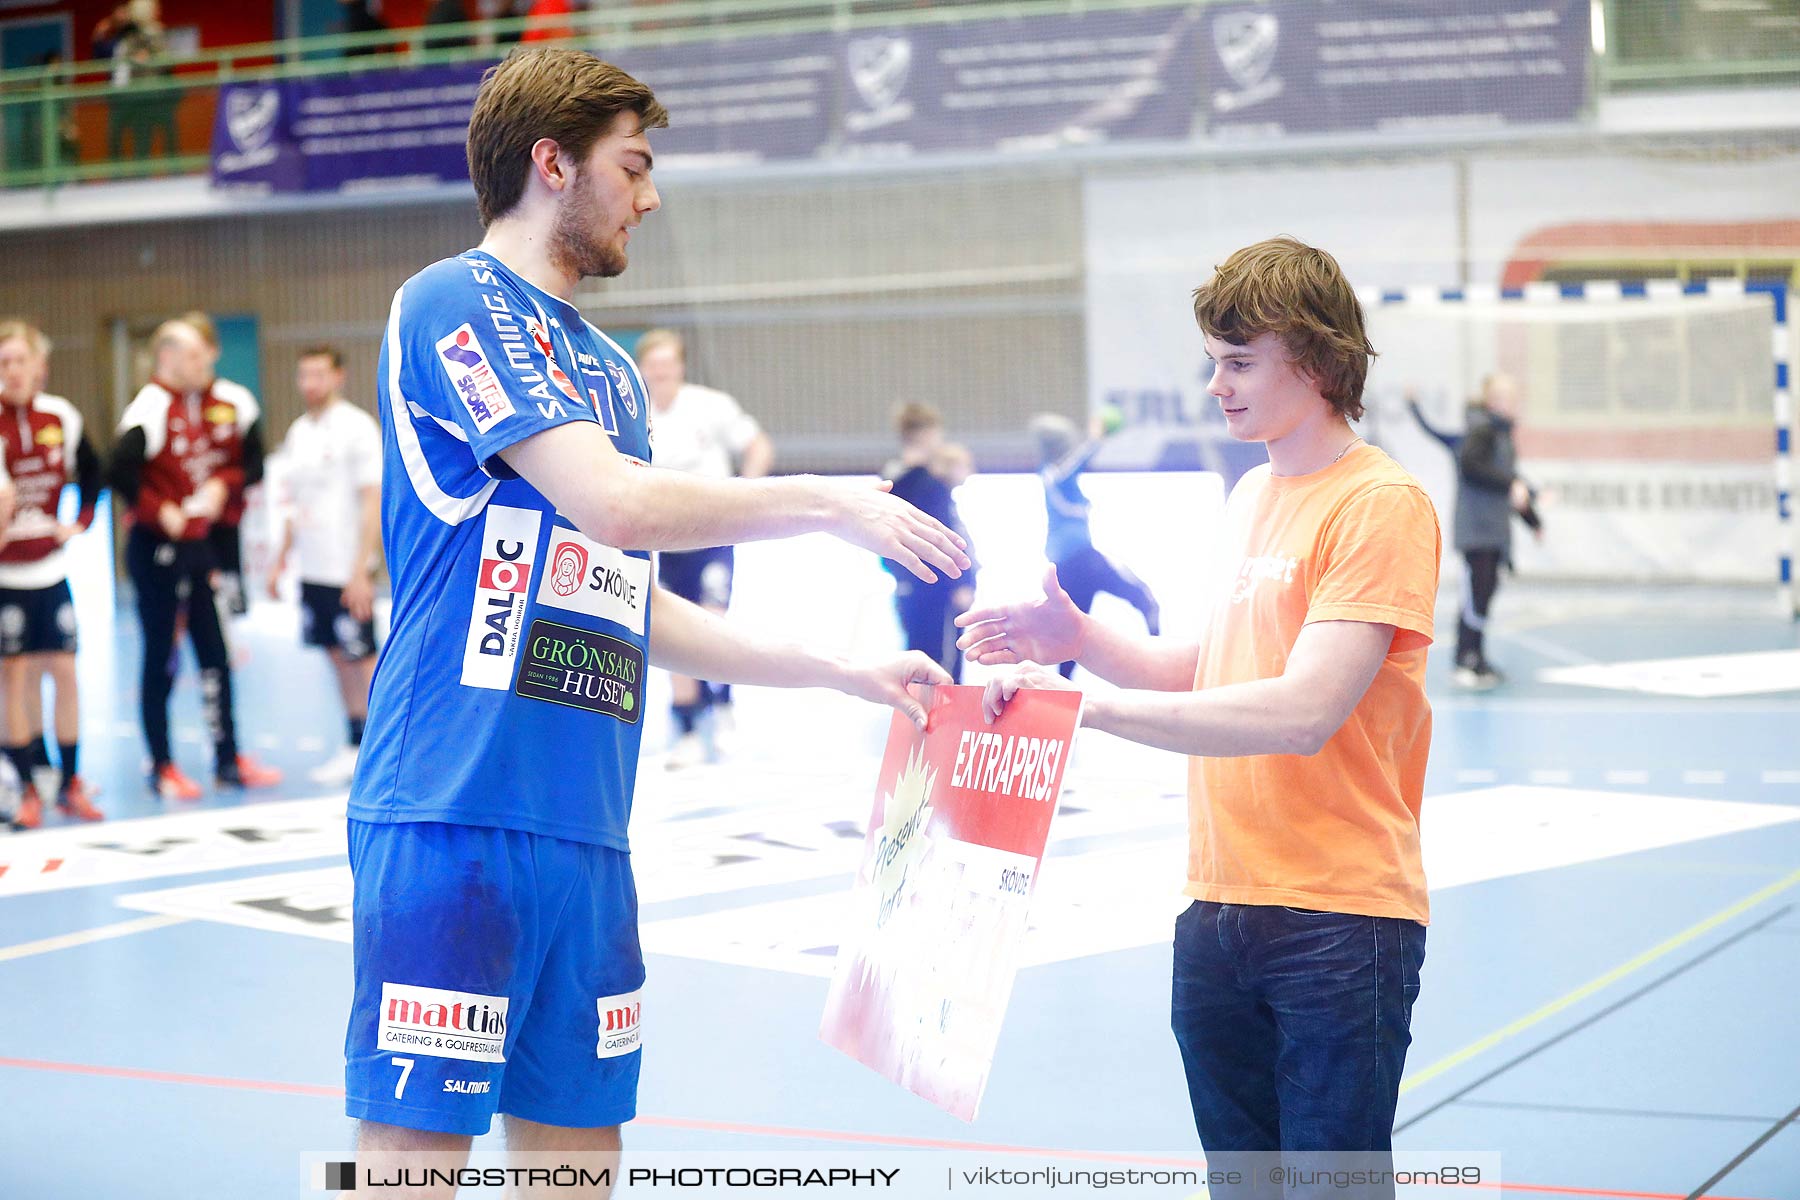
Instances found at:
x=1489 y=492
x=182 y=452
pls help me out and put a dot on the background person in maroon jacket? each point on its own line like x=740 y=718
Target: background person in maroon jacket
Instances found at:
x=180 y=457
x=43 y=445
x=225 y=535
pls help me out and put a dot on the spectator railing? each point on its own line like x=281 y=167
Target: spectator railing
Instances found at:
x=72 y=122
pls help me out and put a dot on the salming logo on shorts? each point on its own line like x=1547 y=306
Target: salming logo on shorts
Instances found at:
x=621 y=1024
x=441 y=1024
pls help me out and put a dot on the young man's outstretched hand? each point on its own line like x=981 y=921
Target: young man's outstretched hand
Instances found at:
x=1021 y=636
x=1050 y=630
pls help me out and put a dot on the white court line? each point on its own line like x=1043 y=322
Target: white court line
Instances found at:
x=1477 y=775
x=86 y=936
x=1551 y=776
x=1627 y=703
x=1545 y=647
x=1703 y=777
x=1628 y=777
x=1781 y=776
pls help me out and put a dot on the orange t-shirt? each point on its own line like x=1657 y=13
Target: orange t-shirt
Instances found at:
x=1339 y=830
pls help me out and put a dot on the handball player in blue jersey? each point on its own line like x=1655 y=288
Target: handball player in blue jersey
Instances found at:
x=1076 y=566
x=496 y=950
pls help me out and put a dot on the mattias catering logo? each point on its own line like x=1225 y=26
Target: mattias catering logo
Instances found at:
x=1245 y=44
x=442 y=1024
x=621 y=1024
x=582 y=669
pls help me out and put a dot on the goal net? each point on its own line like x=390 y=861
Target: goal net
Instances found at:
x=1649 y=421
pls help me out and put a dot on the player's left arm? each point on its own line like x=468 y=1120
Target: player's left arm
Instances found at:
x=358 y=596
x=215 y=495
x=9 y=499
x=688 y=640
x=89 y=478
x=254 y=455
x=1296 y=712
x=747 y=440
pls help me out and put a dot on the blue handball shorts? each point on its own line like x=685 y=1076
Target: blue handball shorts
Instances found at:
x=496 y=971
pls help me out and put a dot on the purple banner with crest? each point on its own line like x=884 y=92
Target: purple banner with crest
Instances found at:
x=379 y=129
x=743 y=100
x=1037 y=83
x=1030 y=83
x=1391 y=65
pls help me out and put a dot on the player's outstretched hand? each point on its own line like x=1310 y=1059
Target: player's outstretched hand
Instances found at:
x=885 y=682
x=1045 y=631
x=868 y=516
x=1003 y=687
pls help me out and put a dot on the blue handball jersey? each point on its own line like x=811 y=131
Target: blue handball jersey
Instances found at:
x=1066 y=505
x=511 y=689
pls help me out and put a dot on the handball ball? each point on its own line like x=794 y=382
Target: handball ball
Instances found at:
x=1112 y=419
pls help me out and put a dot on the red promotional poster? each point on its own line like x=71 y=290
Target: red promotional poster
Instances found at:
x=955 y=842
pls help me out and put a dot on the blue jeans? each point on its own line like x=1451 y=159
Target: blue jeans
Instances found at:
x=1293 y=1026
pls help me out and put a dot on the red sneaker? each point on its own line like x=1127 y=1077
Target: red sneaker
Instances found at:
x=77 y=800
x=31 y=809
x=172 y=784
x=246 y=772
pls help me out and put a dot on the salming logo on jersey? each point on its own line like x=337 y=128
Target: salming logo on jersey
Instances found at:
x=502 y=590
x=520 y=336
x=540 y=337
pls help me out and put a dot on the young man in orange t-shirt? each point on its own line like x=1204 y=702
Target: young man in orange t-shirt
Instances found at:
x=1302 y=710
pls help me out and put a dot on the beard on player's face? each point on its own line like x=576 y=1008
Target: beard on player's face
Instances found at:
x=576 y=244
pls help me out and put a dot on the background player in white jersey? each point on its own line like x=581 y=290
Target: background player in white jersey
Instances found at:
x=43 y=447
x=705 y=431
x=331 y=480
x=497 y=965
